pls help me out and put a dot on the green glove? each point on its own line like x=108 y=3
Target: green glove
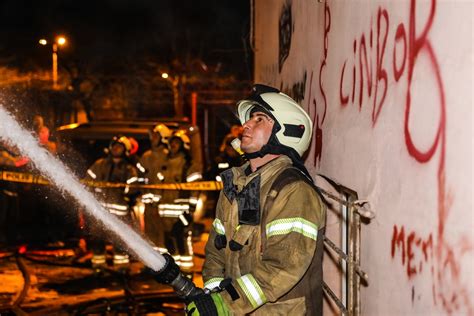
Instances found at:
x=207 y=305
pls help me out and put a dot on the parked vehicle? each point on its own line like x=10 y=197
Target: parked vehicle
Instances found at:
x=82 y=143
x=41 y=212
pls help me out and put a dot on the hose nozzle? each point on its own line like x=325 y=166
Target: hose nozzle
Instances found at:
x=171 y=275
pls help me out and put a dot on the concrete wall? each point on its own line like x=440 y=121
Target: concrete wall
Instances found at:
x=389 y=87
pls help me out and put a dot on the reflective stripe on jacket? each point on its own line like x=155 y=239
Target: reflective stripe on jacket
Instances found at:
x=271 y=271
x=104 y=169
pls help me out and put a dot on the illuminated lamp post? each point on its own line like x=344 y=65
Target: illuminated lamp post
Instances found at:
x=178 y=104
x=59 y=41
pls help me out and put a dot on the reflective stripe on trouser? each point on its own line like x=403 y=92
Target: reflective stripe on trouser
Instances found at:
x=121 y=259
x=186 y=262
x=155 y=228
x=98 y=259
x=177 y=259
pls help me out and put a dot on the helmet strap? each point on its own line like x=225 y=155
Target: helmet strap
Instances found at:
x=274 y=147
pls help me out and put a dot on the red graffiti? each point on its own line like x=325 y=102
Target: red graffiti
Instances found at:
x=317 y=131
x=414 y=250
x=365 y=66
x=400 y=35
x=398 y=239
x=368 y=69
x=411 y=41
x=344 y=98
x=381 y=72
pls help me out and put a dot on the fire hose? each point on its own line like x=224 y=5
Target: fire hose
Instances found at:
x=167 y=271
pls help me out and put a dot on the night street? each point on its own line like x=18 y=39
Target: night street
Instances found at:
x=56 y=282
x=237 y=157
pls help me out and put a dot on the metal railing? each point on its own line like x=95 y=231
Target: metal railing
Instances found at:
x=355 y=210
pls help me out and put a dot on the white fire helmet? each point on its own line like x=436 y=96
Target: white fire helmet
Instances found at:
x=181 y=134
x=164 y=131
x=295 y=128
x=124 y=141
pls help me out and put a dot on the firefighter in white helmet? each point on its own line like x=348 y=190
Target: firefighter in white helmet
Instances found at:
x=154 y=164
x=264 y=253
x=113 y=168
x=174 y=208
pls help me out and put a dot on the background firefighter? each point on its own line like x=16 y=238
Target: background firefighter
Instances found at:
x=154 y=162
x=114 y=168
x=174 y=208
x=264 y=253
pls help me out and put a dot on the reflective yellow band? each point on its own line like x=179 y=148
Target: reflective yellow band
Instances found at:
x=213 y=283
x=219 y=228
x=252 y=290
x=118 y=207
x=293 y=224
x=91 y=174
x=121 y=261
x=185 y=264
x=98 y=259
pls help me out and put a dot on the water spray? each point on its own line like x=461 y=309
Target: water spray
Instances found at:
x=165 y=269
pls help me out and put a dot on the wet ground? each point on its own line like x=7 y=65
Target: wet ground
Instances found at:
x=60 y=281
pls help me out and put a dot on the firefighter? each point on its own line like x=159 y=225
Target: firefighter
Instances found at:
x=175 y=207
x=117 y=169
x=153 y=162
x=264 y=253
x=10 y=211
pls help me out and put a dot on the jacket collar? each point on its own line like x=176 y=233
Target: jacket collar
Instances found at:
x=236 y=178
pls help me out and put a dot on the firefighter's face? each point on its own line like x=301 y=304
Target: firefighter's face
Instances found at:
x=155 y=139
x=175 y=145
x=257 y=132
x=117 y=150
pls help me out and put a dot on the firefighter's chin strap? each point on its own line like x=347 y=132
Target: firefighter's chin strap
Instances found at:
x=274 y=147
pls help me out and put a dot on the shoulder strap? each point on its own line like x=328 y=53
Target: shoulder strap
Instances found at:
x=285 y=177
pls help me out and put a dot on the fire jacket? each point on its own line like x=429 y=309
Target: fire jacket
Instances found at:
x=174 y=172
x=154 y=161
x=105 y=170
x=268 y=241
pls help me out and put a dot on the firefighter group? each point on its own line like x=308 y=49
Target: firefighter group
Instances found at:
x=167 y=213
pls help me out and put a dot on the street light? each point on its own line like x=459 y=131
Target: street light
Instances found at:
x=176 y=85
x=60 y=40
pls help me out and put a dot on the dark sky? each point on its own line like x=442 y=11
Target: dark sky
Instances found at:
x=120 y=29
